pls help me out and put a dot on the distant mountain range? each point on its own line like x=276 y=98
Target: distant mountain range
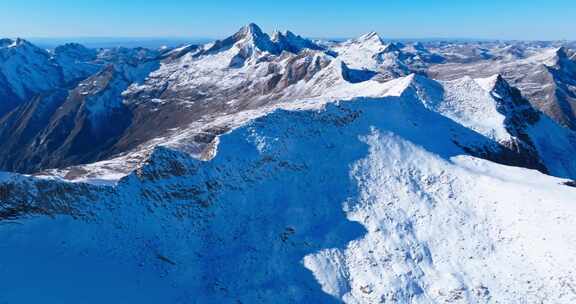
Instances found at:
x=111 y=42
x=157 y=42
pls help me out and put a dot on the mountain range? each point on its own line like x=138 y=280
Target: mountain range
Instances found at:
x=279 y=169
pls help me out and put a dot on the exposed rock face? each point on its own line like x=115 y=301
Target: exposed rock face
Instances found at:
x=66 y=128
x=80 y=121
x=563 y=76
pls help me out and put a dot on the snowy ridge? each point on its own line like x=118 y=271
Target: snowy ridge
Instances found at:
x=438 y=232
x=474 y=104
x=470 y=102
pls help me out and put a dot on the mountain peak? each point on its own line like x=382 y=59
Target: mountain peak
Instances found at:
x=290 y=34
x=71 y=46
x=562 y=52
x=251 y=30
x=495 y=83
x=507 y=96
x=371 y=37
x=14 y=43
x=293 y=43
x=249 y=36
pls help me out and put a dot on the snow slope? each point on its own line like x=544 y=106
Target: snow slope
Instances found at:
x=362 y=201
x=459 y=230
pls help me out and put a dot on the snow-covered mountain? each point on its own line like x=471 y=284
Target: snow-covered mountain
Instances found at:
x=25 y=71
x=277 y=169
x=544 y=75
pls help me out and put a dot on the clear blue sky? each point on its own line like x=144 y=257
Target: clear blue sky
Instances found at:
x=503 y=19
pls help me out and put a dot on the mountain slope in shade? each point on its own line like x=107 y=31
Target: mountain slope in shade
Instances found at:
x=63 y=128
x=25 y=70
x=77 y=61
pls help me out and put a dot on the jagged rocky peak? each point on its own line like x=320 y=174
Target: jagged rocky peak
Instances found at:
x=371 y=37
x=355 y=76
x=562 y=52
x=25 y=70
x=506 y=96
x=509 y=98
x=494 y=83
x=249 y=36
x=77 y=61
x=501 y=90
x=293 y=43
x=555 y=57
x=565 y=60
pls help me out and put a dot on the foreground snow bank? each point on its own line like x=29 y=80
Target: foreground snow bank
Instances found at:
x=463 y=230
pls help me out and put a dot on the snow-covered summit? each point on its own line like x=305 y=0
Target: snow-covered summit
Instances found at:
x=249 y=38
x=371 y=38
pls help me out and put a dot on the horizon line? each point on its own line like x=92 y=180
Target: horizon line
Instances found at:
x=207 y=38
